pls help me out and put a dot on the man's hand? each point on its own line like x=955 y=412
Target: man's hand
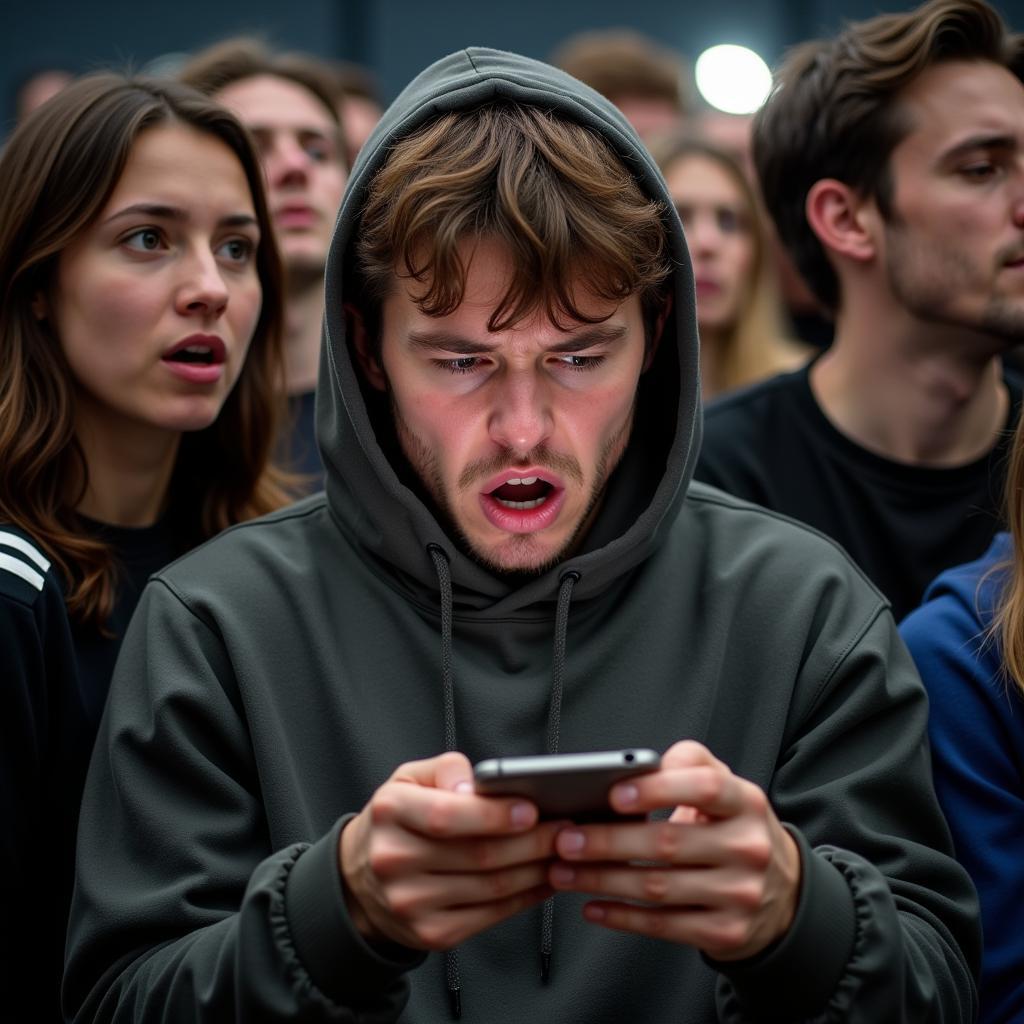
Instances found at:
x=428 y=863
x=721 y=874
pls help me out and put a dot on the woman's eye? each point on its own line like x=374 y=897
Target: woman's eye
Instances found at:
x=144 y=240
x=238 y=250
x=730 y=221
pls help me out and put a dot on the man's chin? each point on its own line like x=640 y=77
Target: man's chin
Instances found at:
x=522 y=554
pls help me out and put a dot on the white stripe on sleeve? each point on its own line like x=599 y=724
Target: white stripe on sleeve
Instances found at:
x=12 y=540
x=19 y=568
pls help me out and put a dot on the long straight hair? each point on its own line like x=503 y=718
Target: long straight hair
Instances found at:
x=59 y=169
x=1008 y=622
x=757 y=344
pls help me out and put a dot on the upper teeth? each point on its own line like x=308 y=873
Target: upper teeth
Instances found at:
x=523 y=480
x=198 y=349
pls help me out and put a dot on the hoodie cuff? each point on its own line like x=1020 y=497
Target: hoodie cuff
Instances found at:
x=338 y=959
x=798 y=975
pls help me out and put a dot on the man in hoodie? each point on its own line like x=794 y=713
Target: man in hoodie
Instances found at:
x=510 y=558
x=890 y=158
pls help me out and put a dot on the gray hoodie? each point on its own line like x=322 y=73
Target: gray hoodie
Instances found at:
x=272 y=680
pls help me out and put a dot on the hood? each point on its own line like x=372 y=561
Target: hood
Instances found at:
x=369 y=496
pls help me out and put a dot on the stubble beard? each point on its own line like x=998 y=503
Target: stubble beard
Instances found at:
x=925 y=281
x=522 y=552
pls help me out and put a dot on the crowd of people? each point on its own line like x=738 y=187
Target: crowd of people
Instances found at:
x=342 y=448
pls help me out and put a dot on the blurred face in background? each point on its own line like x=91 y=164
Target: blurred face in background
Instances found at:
x=303 y=157
x=719 y=227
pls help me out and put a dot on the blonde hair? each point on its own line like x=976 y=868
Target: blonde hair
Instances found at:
x=1008 y=623
x=758 y=344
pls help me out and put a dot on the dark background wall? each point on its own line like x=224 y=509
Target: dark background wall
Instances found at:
x=395 y=38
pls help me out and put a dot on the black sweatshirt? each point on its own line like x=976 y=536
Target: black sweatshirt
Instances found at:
x=53 y=685
x=902 y=524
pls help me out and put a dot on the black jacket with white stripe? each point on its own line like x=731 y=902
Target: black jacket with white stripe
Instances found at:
x=54 y=677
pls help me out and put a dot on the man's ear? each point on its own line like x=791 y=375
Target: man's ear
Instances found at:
x=365 y=354
x=657 y=332
x=844 y=221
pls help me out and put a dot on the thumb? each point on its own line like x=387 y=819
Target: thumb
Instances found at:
x=454 y=773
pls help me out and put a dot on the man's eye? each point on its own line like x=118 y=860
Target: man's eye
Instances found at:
x=318 y=149
x=582 y=362
x=981 y=171
x=464 y=365
x=144 y=240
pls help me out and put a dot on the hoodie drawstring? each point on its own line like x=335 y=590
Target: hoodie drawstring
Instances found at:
x=565 y=588
x=565 y=585
x=444 y=581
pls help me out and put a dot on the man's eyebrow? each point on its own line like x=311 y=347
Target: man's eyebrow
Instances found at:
x=595 y=334
x=1002 y=141
x=163 y=211
x=445 y=341
x=330 y=132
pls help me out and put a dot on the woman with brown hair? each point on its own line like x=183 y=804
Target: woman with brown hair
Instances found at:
x=967 y=639
x=739 y=310
x=140 y=319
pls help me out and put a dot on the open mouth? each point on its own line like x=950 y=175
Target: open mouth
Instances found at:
x=195 y=354
x=522 y=493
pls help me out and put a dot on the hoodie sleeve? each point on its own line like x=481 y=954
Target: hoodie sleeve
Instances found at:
x=886 y=926
x=221 y=927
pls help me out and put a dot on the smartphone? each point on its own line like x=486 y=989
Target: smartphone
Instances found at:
x=572 y=786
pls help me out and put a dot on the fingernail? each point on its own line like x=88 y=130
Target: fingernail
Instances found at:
x=627 y=794
x=571 y=841
x=521 y=814
x=562 y=874
x=465 y=786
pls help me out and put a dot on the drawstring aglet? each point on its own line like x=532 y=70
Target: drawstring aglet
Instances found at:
x=545 y=967
x=455 y=996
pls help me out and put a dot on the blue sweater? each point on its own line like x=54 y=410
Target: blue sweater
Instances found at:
x=977 y=734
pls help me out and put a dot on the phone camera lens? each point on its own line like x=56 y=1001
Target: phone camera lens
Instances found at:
x=629 y=756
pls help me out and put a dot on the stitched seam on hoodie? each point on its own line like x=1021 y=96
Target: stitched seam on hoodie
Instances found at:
x=854 y=640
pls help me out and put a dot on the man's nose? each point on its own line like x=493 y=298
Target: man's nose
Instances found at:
x=521 y=417
x=287 y=162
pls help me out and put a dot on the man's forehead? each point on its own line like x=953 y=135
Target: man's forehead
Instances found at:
x=951 y=103
x=269 y=103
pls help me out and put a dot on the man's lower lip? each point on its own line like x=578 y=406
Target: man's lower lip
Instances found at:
x=196 y=373
x=522 y=520
x=295 y=219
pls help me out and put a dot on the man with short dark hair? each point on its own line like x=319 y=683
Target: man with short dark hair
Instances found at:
x=510 y=558
x=287 y=101
x=892 y=160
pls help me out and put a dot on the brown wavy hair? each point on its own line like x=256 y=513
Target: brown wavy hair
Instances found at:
x=60 y=167
x=551 y=190
x=835 y=112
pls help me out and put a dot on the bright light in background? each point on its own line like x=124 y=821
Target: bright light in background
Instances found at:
x=733 y=78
